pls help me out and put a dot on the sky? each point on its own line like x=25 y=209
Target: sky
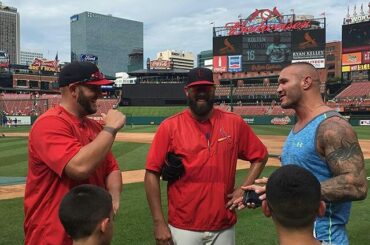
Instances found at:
x=181 y=25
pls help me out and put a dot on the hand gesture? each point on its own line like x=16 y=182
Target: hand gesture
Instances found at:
x=114 y=119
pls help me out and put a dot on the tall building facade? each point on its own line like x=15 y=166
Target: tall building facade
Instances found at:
x=9 y=32
x=205 y=59
x=110 y=40
x=180 y=60
x=333 y=56
x=27 y=57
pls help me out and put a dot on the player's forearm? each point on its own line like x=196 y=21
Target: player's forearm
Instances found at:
x=153 y=194
x=90 y=156
x=114 y=187
x=255 y=171
x=347 y=187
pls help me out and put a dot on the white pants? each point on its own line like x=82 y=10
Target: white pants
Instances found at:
x=186 y=237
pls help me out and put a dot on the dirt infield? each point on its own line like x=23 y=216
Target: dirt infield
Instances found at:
x=274 y=145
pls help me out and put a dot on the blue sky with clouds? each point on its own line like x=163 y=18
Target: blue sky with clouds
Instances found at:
x=182 y=25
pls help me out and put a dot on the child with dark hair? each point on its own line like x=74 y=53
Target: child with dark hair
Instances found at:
x=86 y=213
x=293 y=200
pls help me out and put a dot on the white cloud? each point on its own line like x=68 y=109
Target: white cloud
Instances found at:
x=180 y=25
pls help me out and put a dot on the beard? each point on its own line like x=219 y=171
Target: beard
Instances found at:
x=85 y=103
x=200 y=110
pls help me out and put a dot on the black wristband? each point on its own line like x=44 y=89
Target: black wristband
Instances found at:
x=110 y=130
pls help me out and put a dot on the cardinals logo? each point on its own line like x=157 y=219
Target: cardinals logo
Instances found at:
x=229 y=48
x=261 y=15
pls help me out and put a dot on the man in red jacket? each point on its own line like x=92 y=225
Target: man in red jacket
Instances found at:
x=209 y=141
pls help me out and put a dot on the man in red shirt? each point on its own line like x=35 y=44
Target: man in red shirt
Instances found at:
x=67 y=149
x=209 y=141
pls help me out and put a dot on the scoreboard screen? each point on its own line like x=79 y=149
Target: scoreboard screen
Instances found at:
x=356 y=37
x=267 y=48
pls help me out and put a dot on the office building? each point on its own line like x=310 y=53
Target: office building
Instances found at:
x=205 y=59
x=180 y=60
x=27 y=57
x=9 y=32
x=109 y=40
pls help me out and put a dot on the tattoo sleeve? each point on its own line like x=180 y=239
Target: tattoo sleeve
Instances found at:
x=338 y=144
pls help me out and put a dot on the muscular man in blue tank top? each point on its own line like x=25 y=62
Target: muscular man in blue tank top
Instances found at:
x=325 y=144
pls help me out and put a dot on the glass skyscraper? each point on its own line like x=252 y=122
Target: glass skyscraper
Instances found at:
x=106 y=40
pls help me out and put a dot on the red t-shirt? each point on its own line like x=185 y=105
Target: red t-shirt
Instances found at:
x=55 y=138
x=197 y=200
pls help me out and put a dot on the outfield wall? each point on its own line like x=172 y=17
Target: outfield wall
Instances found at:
x=153 y=94
x=255 y=120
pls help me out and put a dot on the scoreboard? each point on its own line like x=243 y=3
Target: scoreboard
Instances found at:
x=273 y=50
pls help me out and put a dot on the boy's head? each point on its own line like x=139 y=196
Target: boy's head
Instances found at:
x=87 y=210
x=293 y=197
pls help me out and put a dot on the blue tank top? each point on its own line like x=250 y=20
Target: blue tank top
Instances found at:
x=300 y=149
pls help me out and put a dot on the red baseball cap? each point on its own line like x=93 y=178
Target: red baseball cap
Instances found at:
x=82 y=72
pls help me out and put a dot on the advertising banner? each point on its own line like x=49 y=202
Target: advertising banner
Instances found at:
x=219 y=63
x=366 y=57
x=362 y=67
x=19 y=120
x=317 y=63
x=269 y=120
x=160 y=64
x=364 y=122
x=4 y=59
x=308 y=44
x=41 y=64
x=235 y=63
x=89 y=57
x=351 y=59
x=346 y=68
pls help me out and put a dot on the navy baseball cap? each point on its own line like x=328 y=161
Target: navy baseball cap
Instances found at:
x=82 y=72
x=199 y=76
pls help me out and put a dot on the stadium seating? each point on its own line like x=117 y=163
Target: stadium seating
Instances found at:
x=356 y=89
x=29 y=104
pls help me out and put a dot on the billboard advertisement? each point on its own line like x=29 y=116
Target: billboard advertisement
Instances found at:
x=317 y=63
x=351 y=59
x=356 y=37
x=235 y=63
x=361 y=67
x=89 y=57
x=220 y=63
x=230 y=45
x=308 y=44
x=160 y=64
x=4 y=60
x=42 y=64
x=366 y=57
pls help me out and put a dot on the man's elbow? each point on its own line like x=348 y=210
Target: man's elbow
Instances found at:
x=77 y=173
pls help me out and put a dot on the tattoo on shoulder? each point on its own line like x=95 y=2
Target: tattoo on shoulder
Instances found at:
x=345 y=151
x=338 y=143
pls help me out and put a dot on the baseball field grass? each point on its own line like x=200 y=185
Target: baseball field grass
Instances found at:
x=133 y=225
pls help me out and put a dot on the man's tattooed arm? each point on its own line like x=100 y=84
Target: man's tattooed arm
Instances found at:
x=338 y=144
